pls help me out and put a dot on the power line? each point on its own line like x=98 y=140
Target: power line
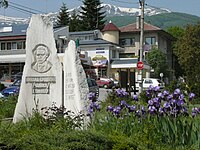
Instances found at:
x=26 y=7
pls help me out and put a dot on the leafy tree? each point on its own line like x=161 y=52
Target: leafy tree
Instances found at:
x=91 y=15
x=63 y=16
x=158 y=61
x=188 y=53
x=74 y=23
x=177 y=32
x=4 y=3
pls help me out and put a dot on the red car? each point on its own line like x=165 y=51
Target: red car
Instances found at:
x=105 y=82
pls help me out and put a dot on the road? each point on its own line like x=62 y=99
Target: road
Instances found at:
x=103 y=93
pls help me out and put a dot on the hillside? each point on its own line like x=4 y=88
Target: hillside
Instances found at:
x=163 y=21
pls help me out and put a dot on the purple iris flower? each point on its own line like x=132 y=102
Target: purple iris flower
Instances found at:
x=135 y=97
x=166 y=105
x=121 y=93
x=90 y=111
x=161 y=112
x=152 y=109
x=117 y=110
x=156 y=88
x=181 y=97
x=180 y=102
x=177 y=91
x=143 y=109
x=191 y=96
x=150 y=88
x=132 y=108
x=160 y=95
x=91 y=96
x=169 y=97
x=150 y=102
x=110 y=108
x=165 y=93
x=123 y=103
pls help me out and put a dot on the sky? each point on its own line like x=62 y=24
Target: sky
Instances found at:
x=46 y=6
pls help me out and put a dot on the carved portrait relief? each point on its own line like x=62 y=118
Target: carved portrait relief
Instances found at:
x=41 y=55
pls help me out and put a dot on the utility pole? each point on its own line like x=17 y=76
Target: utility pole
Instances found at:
x=140 y=78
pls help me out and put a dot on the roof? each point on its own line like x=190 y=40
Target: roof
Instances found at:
x=97 y=41
x=127 y=63
x=14 y=30
x=110 y=27
x=133 y=28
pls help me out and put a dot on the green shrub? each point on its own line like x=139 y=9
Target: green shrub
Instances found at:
x=7 y=106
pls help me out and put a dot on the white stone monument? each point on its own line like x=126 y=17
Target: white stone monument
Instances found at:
x=75 y=83
x=41 y=84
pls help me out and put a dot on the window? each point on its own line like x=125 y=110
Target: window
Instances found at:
x=14 y=45
x=127 y=55
x=9 y=46
x=150 y=41
x=19 y=45
x=127 y=42
x=3 y=46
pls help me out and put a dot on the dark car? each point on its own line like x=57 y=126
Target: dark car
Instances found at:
x=12 y=90
x=93 y=87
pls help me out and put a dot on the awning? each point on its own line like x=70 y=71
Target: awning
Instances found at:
x=100 y=63
x=126 y=63
x=12 y=58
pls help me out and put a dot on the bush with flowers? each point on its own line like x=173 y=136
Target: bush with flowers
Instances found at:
x=165 y=120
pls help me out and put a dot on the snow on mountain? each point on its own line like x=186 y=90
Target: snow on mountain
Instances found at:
x=12 y=20
x=110 y=10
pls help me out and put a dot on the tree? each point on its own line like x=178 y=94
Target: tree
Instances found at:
x=188 y=53
x=158 y=61
x=91 y=16
x=177 y=32
x=63 y=16
x=4 y=3
x=74 y=23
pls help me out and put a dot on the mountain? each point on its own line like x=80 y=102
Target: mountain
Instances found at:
x=121 y=16
x=112 y=10
x=163 y=21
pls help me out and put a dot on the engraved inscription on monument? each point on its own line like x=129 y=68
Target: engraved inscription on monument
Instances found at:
x=41 y=54
x=41 y=85
x=70 y=85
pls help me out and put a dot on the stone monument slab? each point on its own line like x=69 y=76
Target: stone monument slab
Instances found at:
x=75 y=83
x=41 y=84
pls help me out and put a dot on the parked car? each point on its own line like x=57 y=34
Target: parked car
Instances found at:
x=13 y=89
x=105 y=82
x=151 y=81
x=93 y=87
x=116 y=83
x=17 y=76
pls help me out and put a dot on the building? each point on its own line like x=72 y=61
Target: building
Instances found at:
x=12 y=48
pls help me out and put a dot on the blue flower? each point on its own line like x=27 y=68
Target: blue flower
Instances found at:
x=191 y=96
x=117 y=110
x=92 y=96
x=123 y=103
x=156 y=88
x=152 y=109
x=135 y=97
x=150 y=102
x=180 y=102
x=121 y=93
x=110 y=108
x=165 y=93
x=132 y=108
x=177 y=91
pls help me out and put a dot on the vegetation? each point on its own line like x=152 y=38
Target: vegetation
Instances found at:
x=156 y=120
x=91 y=16
x=187 y=50
x=74 y=23
x=164 y=21
x=63 y=16
x=158 y=61
x=4 y=3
